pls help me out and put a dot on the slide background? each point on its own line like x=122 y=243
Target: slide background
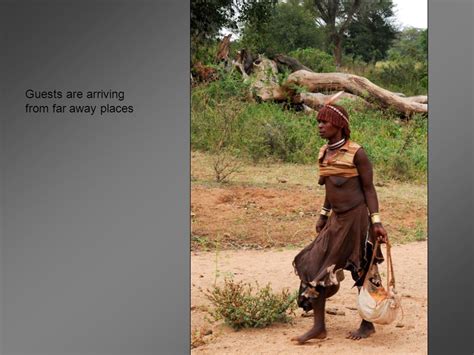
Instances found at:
x=95 y=247
x=95 y=212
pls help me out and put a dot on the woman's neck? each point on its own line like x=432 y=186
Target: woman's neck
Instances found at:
x=337 y=145
x=337 y=138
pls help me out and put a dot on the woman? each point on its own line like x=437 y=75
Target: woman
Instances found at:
x=348 y=225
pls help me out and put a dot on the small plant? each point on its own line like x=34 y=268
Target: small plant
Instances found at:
x=241 y=305
x=197 y=337
x=200 y=242
x=224 y=165
x=419 y=232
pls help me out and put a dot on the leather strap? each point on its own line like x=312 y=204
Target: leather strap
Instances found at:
x=390 y=273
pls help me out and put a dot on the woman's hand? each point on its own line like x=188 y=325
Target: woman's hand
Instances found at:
x=380 y=232
x=321 y=223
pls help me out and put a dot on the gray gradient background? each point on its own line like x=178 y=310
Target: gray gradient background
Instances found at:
x=95 y=247
x=450 y=186
x=95 y=251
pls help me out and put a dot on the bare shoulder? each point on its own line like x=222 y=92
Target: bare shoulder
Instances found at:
x=354 y=145
x=361 y=157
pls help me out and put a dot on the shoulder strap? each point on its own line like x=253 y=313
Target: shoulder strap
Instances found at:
x=390 y=274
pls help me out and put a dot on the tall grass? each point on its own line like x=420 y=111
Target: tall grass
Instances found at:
x=223 y=118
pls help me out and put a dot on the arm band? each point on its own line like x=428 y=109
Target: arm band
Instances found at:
x=375 y=218
x=325 y=211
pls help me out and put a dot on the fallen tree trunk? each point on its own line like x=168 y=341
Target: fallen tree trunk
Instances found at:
x=266 y=87
x=353 y=84
x=422 y=99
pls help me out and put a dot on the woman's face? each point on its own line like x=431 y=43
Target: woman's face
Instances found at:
x=326 y=129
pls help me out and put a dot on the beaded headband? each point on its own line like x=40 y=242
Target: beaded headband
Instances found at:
x=338 y=112
x=332 y=99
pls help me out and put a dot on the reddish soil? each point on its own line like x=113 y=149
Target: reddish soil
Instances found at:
x=254 y=217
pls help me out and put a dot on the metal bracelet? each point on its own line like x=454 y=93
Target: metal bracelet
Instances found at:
x=375 y=218
x=324 y=212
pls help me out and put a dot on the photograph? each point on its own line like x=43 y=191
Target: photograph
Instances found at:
x=309 y=166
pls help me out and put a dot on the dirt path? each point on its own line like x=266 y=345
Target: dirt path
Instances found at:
x=274 y=266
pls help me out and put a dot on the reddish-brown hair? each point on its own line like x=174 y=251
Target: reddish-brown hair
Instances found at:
x=337 y=115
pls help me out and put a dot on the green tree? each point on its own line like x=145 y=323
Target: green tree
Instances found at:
x=424 y=41
x=410 y=43
x=208 y=17
x=280 y=28
x=336 y=15
x=372 y=32
x=255 y=18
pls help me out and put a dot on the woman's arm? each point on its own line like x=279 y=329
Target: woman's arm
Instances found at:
x=364 y=167
x=323 y=216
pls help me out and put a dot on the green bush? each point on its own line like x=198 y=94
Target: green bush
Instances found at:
x=262 y=131
x=315 y=59
x=242 y=306
x=204 y=53
x=405 y=75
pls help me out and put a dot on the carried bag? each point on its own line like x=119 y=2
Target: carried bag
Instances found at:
x=375 y=303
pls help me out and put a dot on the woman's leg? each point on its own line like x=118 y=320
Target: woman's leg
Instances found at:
x=318 y=331
x=365 y=330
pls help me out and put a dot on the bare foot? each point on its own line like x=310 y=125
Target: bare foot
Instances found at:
x=364 y=331
x=313 y=333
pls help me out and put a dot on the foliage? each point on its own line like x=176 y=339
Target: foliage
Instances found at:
x=207 y=18
x=204 y=53
x=262 y=131
x=259 y=131
x=410 y=43
x=371 y=34
x=279 y=28
x=417 y=233
x=404 y=75
x=337 y=16
x=424 y=42
x=315 y=59
x=242 y=306
x=406 y=69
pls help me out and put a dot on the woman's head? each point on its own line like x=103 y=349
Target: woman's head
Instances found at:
x=337 y=116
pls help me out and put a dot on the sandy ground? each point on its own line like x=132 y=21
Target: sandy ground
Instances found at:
x=274 y=266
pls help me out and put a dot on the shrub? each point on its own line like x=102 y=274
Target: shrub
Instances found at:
x=204 y=53
x=315 y=59
x=221 y=117
x=405 y=75
x=240 y=306
x=225 y=164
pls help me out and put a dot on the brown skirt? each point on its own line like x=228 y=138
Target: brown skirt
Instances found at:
x=345 y=242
